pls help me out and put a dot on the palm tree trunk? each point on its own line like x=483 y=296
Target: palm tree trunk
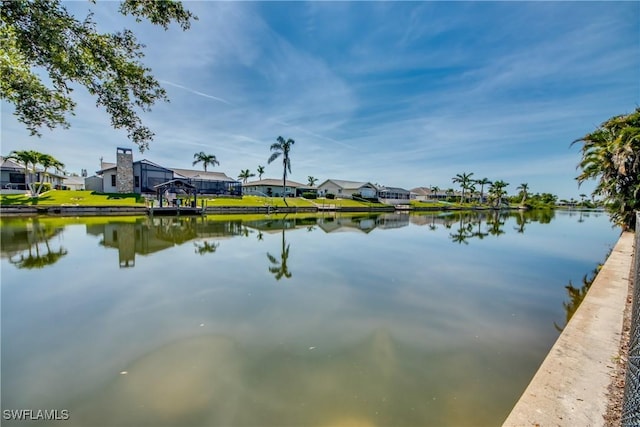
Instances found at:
x=284 y=187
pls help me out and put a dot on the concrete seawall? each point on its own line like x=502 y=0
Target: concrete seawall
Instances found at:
x=571 y=386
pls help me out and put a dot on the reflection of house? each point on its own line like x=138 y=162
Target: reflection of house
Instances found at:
x=127 y=176
x=387 y=221
x=393 y=195
x=333 y=224
x=149 y=235
x=273 y=188
x=12 y=176
x=346 y=189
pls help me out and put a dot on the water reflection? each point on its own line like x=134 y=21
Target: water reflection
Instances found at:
x=28 y=244
x=149 y=235
x=280 y=268
x=577 y=295
x=23 y=244
x=394 y=319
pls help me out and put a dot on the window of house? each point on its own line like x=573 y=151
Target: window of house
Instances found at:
x=136 y=181
x=113 y=180
x=16 y=178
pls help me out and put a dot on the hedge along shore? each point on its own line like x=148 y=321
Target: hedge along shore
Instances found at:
x=571 y=386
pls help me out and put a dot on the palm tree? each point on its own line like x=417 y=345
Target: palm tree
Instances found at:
x=245 y=174
x=482 y=182
x=282 y=147
x=464 y=179
x=47 y=161
x=260 y=171
x=206 y=159
x=450 y=192
x=28 y=159
x=434 y=191
x=611 y=153
x=524 y=187
x=312 y=181
x=497 y=191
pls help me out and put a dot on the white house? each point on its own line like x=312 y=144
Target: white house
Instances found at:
x=273 y=188
x=393 y=195
x=12 y=177
x=346 y=189
x=73 y=183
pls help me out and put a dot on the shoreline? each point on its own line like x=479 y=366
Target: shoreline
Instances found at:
x=575 y=383
x=89 y=210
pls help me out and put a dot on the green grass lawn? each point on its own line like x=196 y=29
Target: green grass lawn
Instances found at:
x=72 y=198
x=278 y=202
x=91 y=198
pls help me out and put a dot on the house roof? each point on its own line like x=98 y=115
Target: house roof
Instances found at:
x=10 y=164
x=210 y=176
x=422 y=191
x=181 y=173
x=393 y=189
x=274 y=183
x=74 y=180
x=348 y=185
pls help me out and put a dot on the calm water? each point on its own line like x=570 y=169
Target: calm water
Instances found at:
x=389 y=320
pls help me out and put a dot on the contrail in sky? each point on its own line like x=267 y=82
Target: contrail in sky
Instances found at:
x=215 y=98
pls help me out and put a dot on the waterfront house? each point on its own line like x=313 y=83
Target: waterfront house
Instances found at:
x=73 y=183
x=426 y=194
x=273 y=188
x=12 y=177
x=143 y=176
x=346 y=189
x=393 y=195
x=214 y=183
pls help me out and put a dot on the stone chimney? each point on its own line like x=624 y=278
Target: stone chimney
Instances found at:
x=124 y=171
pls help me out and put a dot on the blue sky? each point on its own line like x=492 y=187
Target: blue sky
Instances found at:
x=397 y=93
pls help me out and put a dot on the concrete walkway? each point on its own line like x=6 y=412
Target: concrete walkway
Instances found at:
x=570 y=388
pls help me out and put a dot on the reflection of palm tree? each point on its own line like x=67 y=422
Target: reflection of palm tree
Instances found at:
x=37 y=260
x=479 y=234
x=40 y=234
x=576 y=295
x=432 y=226
x=521 y=220
x=260 y=235
x=280 y=269
x=496 y=225
x=463 y=233
x=206 y=247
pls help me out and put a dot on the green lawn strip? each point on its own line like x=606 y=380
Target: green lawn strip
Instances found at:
x=72 y=198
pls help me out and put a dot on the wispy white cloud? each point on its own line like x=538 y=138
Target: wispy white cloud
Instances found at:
x=406 y=94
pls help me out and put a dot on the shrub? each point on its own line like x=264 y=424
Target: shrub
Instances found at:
x=330 y=196
x=45 y=187
x=309 y=195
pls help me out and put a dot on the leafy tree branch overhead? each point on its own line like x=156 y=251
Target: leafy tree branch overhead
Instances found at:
x=42 y=37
